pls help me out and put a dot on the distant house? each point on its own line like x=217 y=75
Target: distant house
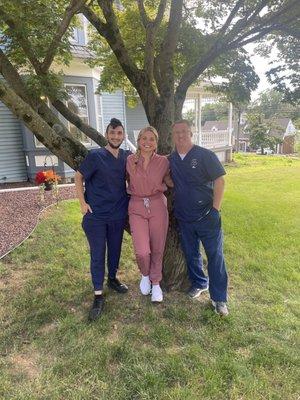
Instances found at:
x=282 y=129
x=215 y=126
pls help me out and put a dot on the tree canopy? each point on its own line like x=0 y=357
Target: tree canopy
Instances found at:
x=271 y=104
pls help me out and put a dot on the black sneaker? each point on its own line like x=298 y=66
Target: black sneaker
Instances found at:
x=115 y=284
x=195 y=292
x=97 y=308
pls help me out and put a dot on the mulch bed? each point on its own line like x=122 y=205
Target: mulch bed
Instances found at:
x=19 y=211
x=14 y=185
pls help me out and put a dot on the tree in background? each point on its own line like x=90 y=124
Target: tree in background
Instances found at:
x=214 y=112
x=284 y=74
x=157 y=49
x=258 y=129
x=272 y=104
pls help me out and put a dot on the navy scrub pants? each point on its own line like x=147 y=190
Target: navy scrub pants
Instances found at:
x=101 y=234
x=208 y=231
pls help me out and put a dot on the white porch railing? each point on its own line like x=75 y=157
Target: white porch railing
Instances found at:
x=207 y=139
x=212 y=140
x=129 y=145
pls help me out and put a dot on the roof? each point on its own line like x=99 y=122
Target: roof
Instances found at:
x=215 y=125
x=282 y=122
x=279 y=126
x=278 y=129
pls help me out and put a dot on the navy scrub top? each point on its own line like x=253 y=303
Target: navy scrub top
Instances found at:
x=193 y=182
x=105 y=187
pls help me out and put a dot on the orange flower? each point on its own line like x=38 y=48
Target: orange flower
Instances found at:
x=51 y=176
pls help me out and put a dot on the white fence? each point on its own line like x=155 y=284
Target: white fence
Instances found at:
x=212 y=140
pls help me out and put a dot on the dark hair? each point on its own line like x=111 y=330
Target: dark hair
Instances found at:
x=114 y=122
x=182 y=121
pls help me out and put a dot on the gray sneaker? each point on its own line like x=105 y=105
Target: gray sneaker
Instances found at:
x=220 y=308
x=195 y=292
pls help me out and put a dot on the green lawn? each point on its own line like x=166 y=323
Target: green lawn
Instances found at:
x=179 y=349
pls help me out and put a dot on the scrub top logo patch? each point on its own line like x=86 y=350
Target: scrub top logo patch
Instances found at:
x=194 y=163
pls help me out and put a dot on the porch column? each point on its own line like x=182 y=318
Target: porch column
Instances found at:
x=230 y=125
x=198 y=117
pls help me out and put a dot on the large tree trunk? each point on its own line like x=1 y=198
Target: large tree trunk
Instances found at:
x=174 y=266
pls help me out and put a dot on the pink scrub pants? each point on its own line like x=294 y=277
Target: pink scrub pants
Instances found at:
x=149 y=219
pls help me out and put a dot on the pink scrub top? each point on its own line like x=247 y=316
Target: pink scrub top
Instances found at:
x=146 y=183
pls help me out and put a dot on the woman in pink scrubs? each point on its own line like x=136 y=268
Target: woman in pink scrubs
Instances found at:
x=148 y=214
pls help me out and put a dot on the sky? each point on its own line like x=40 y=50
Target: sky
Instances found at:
x=261 y=67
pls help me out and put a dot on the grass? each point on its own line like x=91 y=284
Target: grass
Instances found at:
x=179 y=349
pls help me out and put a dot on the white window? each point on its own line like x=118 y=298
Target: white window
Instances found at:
x=77 y=103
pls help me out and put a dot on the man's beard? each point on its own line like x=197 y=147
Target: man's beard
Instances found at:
x=114 y=146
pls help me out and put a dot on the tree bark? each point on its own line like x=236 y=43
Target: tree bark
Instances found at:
x=174 y=265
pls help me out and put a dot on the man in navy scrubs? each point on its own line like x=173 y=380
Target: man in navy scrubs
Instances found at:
x=104 y=204
x=198 y=192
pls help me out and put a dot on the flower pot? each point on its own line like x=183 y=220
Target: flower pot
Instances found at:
x=48 y=186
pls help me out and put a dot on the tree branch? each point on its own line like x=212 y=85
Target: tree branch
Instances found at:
x=247 y=21
x=65 y=147
x=220 y=46
x=59 y=105
x=170 y=39
x=11 y=75
x=88 y=130
x=192 y=74
x=144 y=17
x=261 y=23
x=164 y=60
x=259 y=35
x=71 y=10
x=160 y=13
x=290 y=31
x=111 y=33
x=259 y=28
x=232 y=14
x=151 y=27
x=159 y=16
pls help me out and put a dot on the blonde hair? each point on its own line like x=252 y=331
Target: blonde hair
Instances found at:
x=141 y=132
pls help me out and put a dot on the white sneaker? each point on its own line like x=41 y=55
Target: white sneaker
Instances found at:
x=145 y=285
x=157 y=295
